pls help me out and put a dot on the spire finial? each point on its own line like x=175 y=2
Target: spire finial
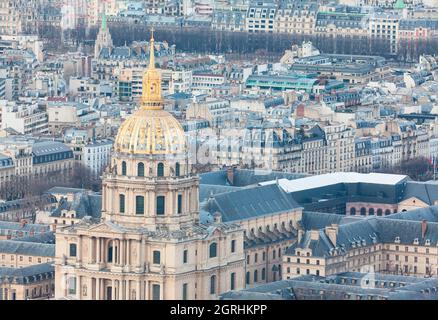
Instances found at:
x=152 y=53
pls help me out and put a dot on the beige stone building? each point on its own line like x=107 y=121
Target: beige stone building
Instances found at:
x=397 y=246
x=19 y=254
x=28 y=283
x=149 y=243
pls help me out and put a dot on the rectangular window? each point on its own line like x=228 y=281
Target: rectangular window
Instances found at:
x=179 y=203
x=185 y=256
x=160 y=205
x=139 y=205
x=73 y=250
x=72 y=286
x=185 y=291
x=156 y=292
x=233 y=281
x=233 y=245
x=156 y=257
x=122 y=203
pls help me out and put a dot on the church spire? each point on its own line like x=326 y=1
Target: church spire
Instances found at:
x=104 y=23
x=152 y=51
x=151 y=95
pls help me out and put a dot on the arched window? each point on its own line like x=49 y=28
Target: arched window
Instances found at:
x=123 y=168
x=352 y=211
x=160 y=170
x=213 y=284
x=139 y=205
x=363 y=211
x=213 y=250
x=122 y=203
x=387 y=212
x=248 y=280
x=371 y=212
x=263 y=274
x=140 y=169
x=110 y=253
x=177 y=169
x=256 y=276
x=379 y=212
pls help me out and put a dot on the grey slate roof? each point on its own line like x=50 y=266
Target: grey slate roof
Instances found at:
x=318 y=220
x=245 y=177
x=49 y=147
x=84 y=204
x=64 y=190
x=426 y=192
x=16 y=226
x=27 y=274
x=429 y=214
x=248 y=203
x=47 y=237
x=331 y=287
x=206 y=190
x=403 y=228
x=27 y=248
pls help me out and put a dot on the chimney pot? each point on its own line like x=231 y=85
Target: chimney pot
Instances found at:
x=423 y=228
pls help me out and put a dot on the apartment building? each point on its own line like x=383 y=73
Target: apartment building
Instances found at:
x=24 y=118
x=260 y=16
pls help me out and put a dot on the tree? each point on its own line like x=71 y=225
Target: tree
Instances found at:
x=418 y=169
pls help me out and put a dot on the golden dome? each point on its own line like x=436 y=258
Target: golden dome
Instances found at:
x=151 y=130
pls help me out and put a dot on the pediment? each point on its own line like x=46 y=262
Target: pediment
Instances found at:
x=413 y=201
x=104 y=228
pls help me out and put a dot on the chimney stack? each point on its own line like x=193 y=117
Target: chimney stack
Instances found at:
x=332 y=233
x=300 y=235
x=230 y=175
x=423 y=228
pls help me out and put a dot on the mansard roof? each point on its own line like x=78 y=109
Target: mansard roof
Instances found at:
x=248 y=203
x=27 y=248
x=405 y=228
x=27 y=274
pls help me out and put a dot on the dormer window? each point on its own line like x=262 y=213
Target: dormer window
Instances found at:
x=397 y=240
x=416 y=241
x=427 y=243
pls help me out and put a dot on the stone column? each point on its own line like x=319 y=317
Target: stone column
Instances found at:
x=127 y=293
x=113 y=290
x=122 y=252
x=91 y=249
x=79 y=257
x=97 y=289
x=140 y=253
x=128 y=252
x=138 y=290
x=169 y=199
x=151 y=205
x=98 y=251
x=79 y=288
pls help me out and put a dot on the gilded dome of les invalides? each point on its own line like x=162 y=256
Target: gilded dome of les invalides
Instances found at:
x=151 y=130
